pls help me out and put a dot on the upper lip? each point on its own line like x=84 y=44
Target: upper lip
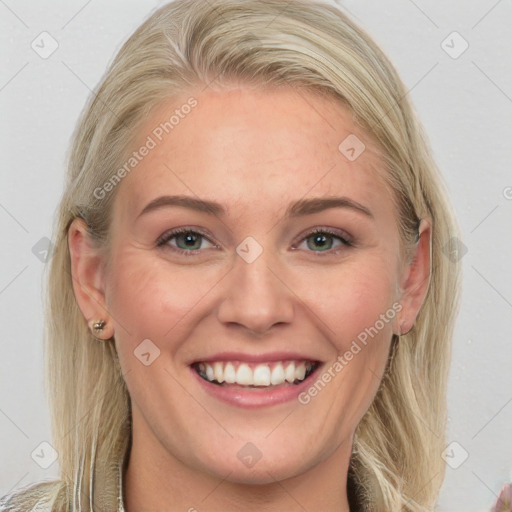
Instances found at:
x=255 y=358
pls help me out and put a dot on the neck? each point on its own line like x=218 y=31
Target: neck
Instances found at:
x=156 y=480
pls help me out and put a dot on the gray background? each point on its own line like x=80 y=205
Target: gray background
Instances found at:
x=465 y=104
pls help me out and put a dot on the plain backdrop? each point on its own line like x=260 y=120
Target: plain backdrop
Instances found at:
x=463 y=97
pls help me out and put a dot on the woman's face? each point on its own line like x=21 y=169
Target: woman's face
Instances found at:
x=253 y=283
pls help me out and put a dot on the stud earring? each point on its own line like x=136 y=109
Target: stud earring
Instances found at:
x=98 y=326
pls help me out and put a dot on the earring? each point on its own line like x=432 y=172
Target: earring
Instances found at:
x=98 y=326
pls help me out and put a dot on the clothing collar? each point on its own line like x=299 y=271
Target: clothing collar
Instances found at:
x=120 y=493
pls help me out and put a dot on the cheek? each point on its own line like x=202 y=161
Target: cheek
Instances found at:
x=351 y=297
x=348 y=310
x=149 y=297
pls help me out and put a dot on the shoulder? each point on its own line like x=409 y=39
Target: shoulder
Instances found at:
x=37 y=497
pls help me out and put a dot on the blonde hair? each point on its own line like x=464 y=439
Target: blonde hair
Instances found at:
x=396 y=463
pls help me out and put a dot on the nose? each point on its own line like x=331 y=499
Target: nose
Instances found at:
x=257 y=296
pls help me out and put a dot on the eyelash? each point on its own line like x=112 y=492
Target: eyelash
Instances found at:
x=166 y=237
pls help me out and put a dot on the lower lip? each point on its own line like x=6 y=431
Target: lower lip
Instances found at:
x=254 y=397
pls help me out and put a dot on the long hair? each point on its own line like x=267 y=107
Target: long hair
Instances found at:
x=396 y=463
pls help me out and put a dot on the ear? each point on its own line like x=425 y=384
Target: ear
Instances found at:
x=415 y=278
x=87 y=271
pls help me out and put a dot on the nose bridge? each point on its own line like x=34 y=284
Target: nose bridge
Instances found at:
x=255 y=295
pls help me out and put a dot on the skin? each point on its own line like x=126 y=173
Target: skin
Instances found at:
x=254 y=151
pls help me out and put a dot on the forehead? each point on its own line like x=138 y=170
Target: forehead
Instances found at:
x=251 y=146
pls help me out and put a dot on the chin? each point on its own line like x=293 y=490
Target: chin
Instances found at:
x=249 y=466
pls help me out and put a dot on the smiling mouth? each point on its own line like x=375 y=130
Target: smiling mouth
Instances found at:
x=265 y=376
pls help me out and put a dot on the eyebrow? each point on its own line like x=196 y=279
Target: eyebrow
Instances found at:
x=297 y=209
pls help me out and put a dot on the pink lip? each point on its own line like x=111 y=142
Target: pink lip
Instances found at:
x=256 y=358
x=254 y=398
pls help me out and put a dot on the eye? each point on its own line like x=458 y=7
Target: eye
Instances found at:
x=322 y=238
x=187 y=240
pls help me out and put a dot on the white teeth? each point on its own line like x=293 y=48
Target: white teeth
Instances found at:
x=229 y=373
x=260 y=375
x=218 y=370
x=210 y=372
x=244 y=375
x=289 y=373
x=277 y=375
x=300 y=371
